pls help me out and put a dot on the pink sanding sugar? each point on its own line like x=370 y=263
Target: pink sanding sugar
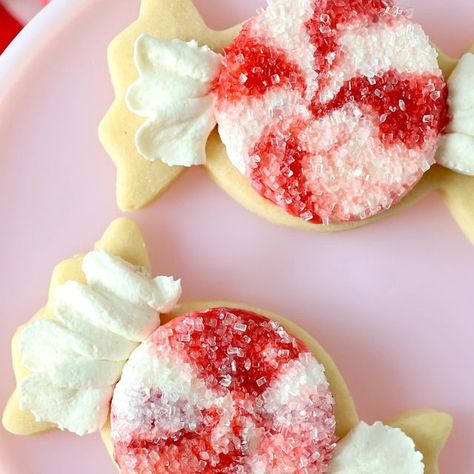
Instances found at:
x=332 y=108
x=223 y=391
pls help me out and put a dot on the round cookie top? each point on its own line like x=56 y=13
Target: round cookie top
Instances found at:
x=222 y=391
x=333 y=109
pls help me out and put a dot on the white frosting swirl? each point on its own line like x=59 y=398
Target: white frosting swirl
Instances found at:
x=77 y=359
x=376 y=449
x=456 y=151
x=172 y=92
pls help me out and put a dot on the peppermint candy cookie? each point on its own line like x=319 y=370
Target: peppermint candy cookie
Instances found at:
x=329 y=113
x=203 y=387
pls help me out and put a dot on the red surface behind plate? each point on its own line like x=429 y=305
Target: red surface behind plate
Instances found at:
x=390 y=302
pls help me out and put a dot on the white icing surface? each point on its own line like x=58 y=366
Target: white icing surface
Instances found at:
x=167 y=372
x=346 y=136
x=379 y=47
x=457 y=147
x=152 y=369
x=376 y=449
x=249 y=119
x=284 y=24
x=172 y=92
x=77 y=359
x=299 y=375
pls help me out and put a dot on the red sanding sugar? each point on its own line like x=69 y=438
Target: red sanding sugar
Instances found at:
x=332 y=108
x=223 y=391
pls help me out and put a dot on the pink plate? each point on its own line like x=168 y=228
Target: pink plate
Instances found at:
x=390 y=301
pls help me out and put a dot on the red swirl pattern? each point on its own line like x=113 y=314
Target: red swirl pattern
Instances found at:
x=405 y=110
x=252 y=406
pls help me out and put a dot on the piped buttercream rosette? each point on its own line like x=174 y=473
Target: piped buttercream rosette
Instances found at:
x=331 y=110
x=173 y=93
x=456 y=151
x=77 y=358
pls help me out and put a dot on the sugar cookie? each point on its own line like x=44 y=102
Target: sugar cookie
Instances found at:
x=205 y=387
x=333 y=114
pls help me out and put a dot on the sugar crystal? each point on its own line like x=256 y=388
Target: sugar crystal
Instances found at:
x=240 y=327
